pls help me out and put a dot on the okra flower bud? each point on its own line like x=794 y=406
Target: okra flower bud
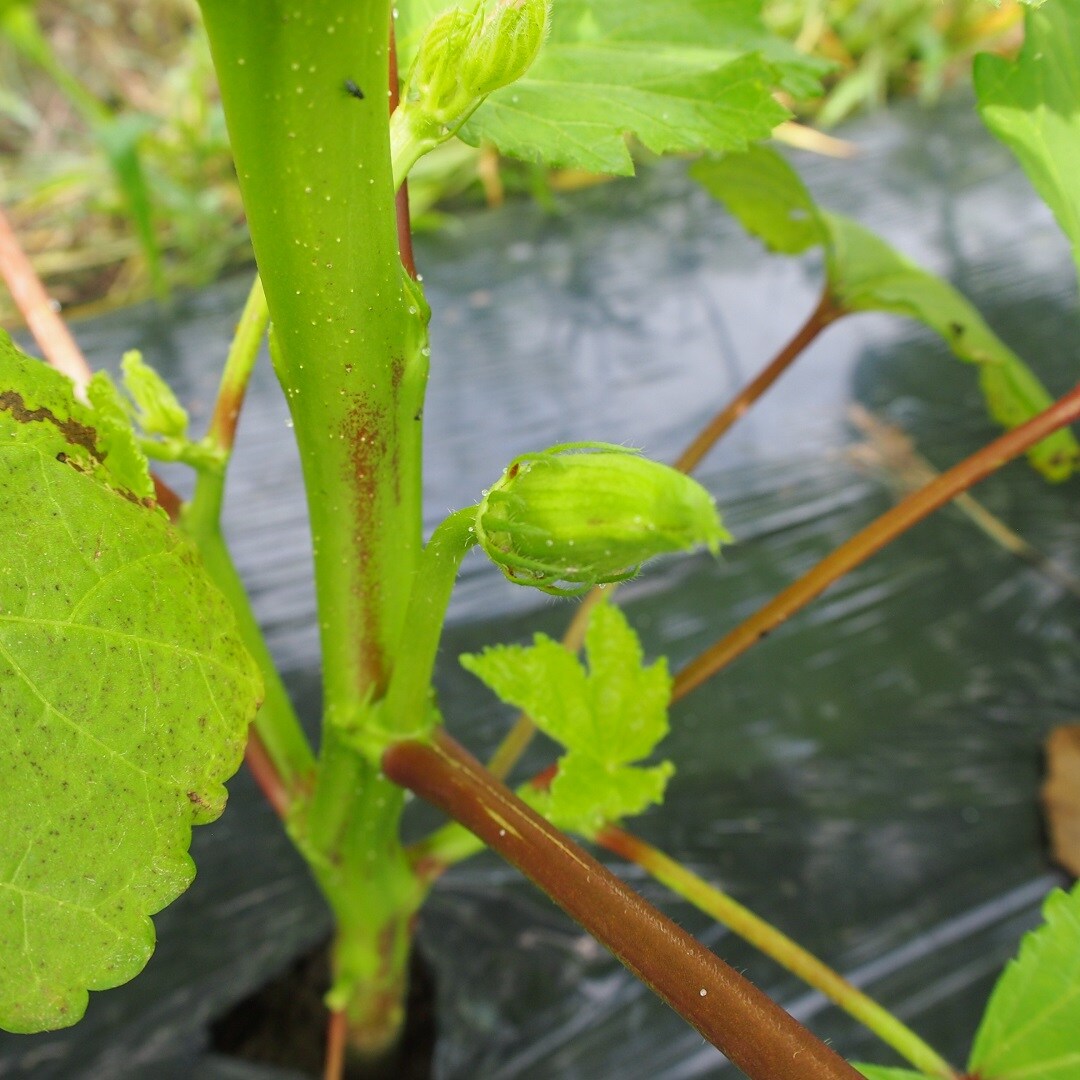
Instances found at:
x=465 y=55
x=506 y=47
x=433 y=86
x=590 y=513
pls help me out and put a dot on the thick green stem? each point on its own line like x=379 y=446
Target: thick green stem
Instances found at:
x=348 y=341
x=351 y=838
x=348 y=337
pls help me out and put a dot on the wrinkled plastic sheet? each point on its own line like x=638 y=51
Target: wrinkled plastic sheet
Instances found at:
x=866 y=778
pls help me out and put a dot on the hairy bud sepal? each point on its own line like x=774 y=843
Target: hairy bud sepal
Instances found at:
x=585 y=514
x=506 y=46
x=465 y=55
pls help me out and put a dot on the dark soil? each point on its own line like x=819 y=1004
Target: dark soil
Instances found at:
x=284 y=1024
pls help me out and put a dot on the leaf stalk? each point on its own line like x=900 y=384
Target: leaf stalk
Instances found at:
x=755 y=1033
x=873 y=538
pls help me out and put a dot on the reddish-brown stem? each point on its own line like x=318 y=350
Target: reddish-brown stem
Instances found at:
x=752 y=1030
x=266 y=774
x=48 y=329
x=826 y=312
x=167 y=499
x=776 y=945
x=401 y=200
x=873 y=538
x=337 y=1033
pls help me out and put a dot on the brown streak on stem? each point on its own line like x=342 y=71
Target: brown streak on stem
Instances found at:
x=752 y=1030
x=873 y=538
x=365 y=432
x=227 y=408
x=826 y=312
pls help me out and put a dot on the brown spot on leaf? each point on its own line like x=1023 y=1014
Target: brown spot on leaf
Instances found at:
x=197 y=800
x=75 y=433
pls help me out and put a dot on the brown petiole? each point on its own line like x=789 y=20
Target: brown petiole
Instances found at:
x=734 y=1015
x=910 y=511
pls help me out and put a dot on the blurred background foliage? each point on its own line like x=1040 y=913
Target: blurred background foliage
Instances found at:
x=116 y=170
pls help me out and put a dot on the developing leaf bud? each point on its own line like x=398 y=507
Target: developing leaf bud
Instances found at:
x=590 y=513
x=159 y=412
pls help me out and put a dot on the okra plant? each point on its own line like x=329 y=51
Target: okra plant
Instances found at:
x=134 y=678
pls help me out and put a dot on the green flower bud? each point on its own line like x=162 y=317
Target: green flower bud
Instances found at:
x=465 y=55
x=590 y=513
x=434 y=86
x=507 y=46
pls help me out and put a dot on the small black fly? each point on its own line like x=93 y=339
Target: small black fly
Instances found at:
x=353 y=90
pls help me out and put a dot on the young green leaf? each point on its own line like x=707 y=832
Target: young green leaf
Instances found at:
x=588 y=794
x=125 y=696
x=606 y=718
x=680 y=75
x=157 y=410
x=1032 y=105
x=1031 y=1027
x=865 y=274
x=883 y=1072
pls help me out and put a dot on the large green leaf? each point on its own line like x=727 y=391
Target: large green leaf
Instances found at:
x=124 y=699
x=680 y=75
x=607 y=718
x=866 y=274
x=1031 y=1028
x=578 y=101
x=1032 y=105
